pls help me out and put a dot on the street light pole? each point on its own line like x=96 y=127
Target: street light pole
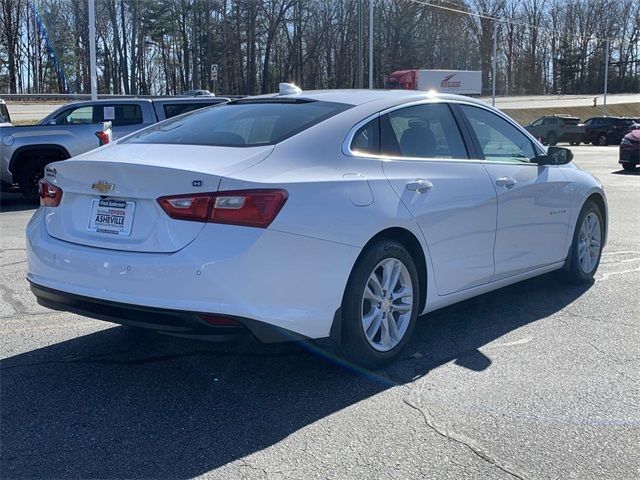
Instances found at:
x=370 y=44
x=92 y=49
x=360 y=46
x=606 y=75
x=495 y=60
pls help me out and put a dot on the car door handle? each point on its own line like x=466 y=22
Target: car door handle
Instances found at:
x=506 y=182
x=419 y=186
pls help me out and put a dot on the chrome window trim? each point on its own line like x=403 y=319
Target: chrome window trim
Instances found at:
x=346 y=144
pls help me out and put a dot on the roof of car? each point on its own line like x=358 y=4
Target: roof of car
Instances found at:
x=360 y=97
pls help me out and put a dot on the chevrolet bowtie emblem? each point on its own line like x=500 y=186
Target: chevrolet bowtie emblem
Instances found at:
x=103 y=186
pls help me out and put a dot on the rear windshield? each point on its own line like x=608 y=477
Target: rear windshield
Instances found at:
x=240 y=124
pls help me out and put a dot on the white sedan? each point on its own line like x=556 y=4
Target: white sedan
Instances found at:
x=307 y=215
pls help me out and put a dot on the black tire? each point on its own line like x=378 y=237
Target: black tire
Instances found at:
x=629 y=167
x=552 y=138
x=603 y=141
x=573 y=271
x=354 y=345
x=28 y=177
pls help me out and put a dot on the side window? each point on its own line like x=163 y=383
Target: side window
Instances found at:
x=367 y=138
x=421 y=131
x=119 y=115
x=538 y=122
x=499 y=139
x=75 y=116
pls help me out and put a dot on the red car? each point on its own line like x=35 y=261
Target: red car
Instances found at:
x=630 y=150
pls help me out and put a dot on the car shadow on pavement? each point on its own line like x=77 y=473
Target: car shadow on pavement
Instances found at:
x=14 y=202
x=125 y=403
x=627 y=172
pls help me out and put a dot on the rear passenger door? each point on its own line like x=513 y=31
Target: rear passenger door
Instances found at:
x=534 y=200
x=451 y=197
x=125 y=118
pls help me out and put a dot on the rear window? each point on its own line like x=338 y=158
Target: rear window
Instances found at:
x=175 y=109
x=571 y=121
x=241 y=124
x=623 y=121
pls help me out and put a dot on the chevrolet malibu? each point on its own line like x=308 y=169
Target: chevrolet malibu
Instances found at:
x=308 y=215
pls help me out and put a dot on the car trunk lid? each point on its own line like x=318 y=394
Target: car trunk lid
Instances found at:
x=110 y=195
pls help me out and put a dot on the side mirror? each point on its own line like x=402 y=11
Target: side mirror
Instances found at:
x=555 y=156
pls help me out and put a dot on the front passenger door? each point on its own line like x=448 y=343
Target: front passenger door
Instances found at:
x=533 y=200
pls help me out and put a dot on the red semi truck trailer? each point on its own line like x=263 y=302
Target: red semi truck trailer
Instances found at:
x=464 y=82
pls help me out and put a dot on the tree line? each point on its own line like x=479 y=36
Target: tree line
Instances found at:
x=164 y=47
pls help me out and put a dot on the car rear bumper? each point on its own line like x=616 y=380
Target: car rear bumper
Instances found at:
x=630 y=154
x=173 y=322
x=291 y=282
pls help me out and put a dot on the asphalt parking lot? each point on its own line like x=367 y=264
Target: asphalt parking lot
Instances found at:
x=537 y=380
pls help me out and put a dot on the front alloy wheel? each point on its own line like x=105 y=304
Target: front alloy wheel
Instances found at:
x=380 y=305
x=589 y=243
x=602 y=140
x=586 y=248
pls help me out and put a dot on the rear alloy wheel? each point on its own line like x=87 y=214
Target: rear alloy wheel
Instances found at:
x=586 y=249
x=380 y=305
x=29 y=176
x=602 y=140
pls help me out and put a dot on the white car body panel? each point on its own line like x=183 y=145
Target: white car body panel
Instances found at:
x=541 y=199
x=138 y=173
x=293 y=274
x=457 y=217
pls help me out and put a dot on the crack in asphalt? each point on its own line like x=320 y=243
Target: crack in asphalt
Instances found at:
x=7 y=295
x=464 y=441
x=13 y=263
x=597 y=319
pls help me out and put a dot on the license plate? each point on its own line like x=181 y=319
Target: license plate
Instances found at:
x=111 y=216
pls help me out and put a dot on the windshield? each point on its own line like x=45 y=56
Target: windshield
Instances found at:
x=240 y=124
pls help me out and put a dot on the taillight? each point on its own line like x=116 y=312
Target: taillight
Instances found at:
x=50 y=194
x=103 y=138
x=251 y=208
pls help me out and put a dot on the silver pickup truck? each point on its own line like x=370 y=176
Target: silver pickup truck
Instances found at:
x=76 y=128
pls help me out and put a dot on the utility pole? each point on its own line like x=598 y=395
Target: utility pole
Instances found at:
x=360 y=46
x=92 y=49
x=370 y=44
x=495 y=61
x=606 y=75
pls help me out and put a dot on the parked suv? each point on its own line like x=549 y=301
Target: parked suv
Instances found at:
x=606 y=130
x=552 y=129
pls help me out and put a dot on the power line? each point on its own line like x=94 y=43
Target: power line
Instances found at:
x=501 y=20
